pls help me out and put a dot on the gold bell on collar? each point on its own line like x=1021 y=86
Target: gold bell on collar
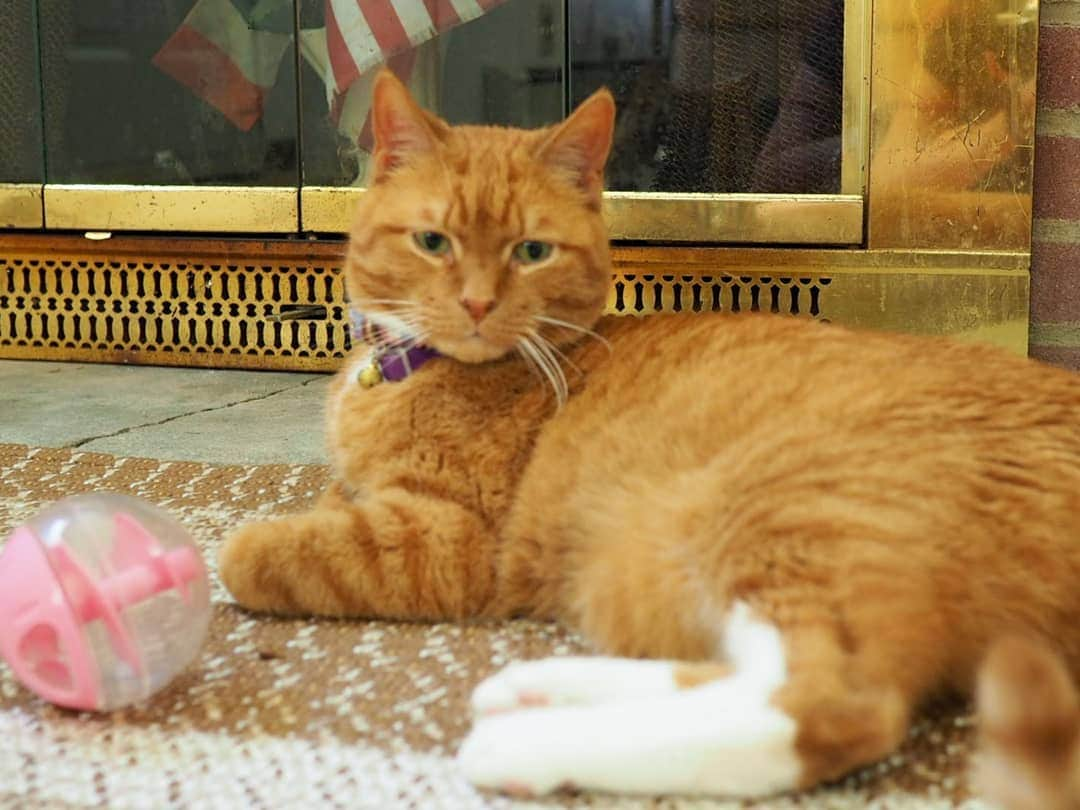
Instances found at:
x=370 y=376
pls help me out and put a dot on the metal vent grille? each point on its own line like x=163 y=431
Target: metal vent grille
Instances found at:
x=645 y=293
x=255 y=315
x=273 y=311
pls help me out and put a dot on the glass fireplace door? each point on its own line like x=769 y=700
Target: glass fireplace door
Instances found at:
x=740 y=121
x=170 y=115
x=500 y=62
x=22 y=158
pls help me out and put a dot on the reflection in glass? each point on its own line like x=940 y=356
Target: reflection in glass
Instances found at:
x=489 y=61
x=716 y=95
x=20 y=99
x=954 y=124
x=172 y=92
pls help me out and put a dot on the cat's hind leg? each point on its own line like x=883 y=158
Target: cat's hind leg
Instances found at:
x=721 y=738
x=767 y=725
x=578 y=681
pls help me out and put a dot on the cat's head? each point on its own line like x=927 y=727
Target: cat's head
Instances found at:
x=482 y=238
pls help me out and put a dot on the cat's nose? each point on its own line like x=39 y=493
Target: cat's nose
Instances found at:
x=477 y=309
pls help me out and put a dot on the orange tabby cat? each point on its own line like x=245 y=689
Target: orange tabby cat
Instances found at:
x=821 y=527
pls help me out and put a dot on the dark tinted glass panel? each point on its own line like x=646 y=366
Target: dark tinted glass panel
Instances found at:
x=20 y=100
x=716 y=95
x=471 y=61
x=170 y=91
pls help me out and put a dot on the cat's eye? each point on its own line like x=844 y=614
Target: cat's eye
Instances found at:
x=531 y=252
x=433 y=242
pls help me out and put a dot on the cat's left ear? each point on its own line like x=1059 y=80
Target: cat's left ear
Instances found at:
x=580 y=144
x=401 y=128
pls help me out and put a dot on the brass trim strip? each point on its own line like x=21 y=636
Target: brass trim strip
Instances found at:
x=20 y=205
x=734 y=259
x=216 y=209
x=809 y=219
x=328 y=209
x=182 y=247
x=855 y=121
x=806 y=219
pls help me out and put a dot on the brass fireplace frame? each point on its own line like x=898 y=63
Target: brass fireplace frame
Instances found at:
x=912 y=242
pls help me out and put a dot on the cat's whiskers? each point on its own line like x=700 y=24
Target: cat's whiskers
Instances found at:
x=573 y=327
x=557 y=369
x=554 y=351
x=541 y=364
x=547 y=364
x=529 y=362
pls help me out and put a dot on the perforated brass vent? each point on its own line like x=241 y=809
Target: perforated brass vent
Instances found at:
x=282 y=305
x=279 y=315
x=645 y=293
x=258 y=315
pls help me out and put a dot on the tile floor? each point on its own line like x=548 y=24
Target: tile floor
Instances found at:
x=249 y=417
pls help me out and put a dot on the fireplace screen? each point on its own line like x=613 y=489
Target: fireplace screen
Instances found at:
x=741 y=121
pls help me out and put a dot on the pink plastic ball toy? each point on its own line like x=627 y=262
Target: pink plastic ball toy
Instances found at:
x=103 y=601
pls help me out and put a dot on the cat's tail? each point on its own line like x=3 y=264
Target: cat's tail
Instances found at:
x=1029 y=719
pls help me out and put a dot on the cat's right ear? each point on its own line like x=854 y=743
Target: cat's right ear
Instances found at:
x=579 y=146
x=400 y=127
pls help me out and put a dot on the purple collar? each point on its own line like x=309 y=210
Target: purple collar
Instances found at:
x=397 y=364
x=394 y=356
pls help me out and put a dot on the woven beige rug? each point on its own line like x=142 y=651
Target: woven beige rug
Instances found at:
x=314 y=713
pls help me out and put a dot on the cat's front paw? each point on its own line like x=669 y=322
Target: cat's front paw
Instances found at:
x=247 y=568
x=296 y=565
